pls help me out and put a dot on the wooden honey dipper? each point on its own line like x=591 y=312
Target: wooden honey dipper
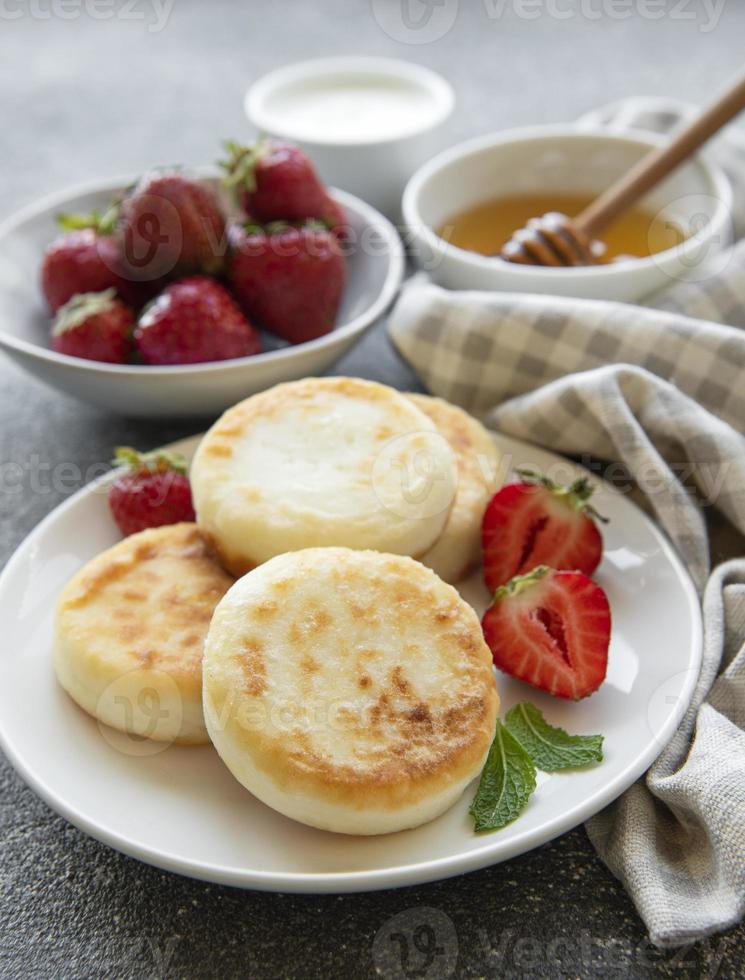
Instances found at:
x=557 y=240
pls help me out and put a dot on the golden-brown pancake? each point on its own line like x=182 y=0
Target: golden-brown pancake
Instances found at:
x=349 y=690
x=458 y=549
x=130 y=631
x=322 y=462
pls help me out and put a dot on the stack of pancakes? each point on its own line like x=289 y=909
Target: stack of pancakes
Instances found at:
x=340 y=678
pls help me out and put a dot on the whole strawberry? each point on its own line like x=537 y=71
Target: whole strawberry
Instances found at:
x=276 y=181
x=192 y=321
x=538 y=522
x=154 y=490
x=87 y=259
x=81 y=261
x=170 y=225
x=95 y=326
x=551 y=629
x=289 y=279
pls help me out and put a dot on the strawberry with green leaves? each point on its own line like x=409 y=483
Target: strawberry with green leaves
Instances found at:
x=87 y=259
x=152 y=490
x=82 y=260
x=552 y=630
x=94 y=326
x=170 y=225
x=288 y=279
x=538 y=522
x=275 y=181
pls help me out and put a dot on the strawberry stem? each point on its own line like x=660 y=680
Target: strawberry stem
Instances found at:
x=240 y=166
x=577 y=494
x=102 y=222
x=280 y=225
x=81 y=306
x=157 y=461
x=520 y=583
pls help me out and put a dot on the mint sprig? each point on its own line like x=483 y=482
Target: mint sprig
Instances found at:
x=507 y=782
x=550 y=748
x=523 y=743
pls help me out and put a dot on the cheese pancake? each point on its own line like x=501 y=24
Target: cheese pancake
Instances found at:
x=320 y=462
x=349 y=690
x=458 y=549
x=130 y=631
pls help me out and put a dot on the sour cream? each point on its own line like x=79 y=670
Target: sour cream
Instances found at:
x=368 y=123
x=352 y=108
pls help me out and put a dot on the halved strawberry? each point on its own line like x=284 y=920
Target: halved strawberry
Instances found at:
x=538 y=522
x=552 y=630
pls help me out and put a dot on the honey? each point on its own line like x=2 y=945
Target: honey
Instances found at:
x=486 y=227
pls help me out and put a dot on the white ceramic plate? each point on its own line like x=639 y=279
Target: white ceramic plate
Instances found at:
x=375 y=267
x=180 y=809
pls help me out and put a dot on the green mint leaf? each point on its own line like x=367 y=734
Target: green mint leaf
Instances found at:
x=507 y=781
x=551 y=748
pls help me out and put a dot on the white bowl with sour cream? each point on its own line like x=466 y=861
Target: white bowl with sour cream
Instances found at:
x=367 y=123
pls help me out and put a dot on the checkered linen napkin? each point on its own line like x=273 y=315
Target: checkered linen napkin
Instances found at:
x=659 y=388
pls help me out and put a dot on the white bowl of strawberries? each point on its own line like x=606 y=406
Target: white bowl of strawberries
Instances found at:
x=178 y=294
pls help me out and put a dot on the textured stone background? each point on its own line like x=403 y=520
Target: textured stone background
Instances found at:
x=83 y=97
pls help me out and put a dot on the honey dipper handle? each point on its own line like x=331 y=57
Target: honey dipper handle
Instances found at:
x=656 y=165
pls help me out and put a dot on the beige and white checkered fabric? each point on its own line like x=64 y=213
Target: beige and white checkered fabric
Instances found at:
x=651 y=387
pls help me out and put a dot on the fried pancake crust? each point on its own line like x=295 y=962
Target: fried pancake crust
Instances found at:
x=322 y=462
x=350 y=690
x=457 y=551
x=130 y=629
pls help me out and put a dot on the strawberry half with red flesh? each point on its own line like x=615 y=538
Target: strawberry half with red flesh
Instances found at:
x=170 y=225
x=94 y=326
x=538 y=522
x=276 y=181
x=552 y=630
x=153 y=491
x=193 y=321
x=288 y=279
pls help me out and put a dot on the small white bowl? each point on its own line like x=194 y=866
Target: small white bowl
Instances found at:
x=375 y=266
x=696 y=197
x=367 y=123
